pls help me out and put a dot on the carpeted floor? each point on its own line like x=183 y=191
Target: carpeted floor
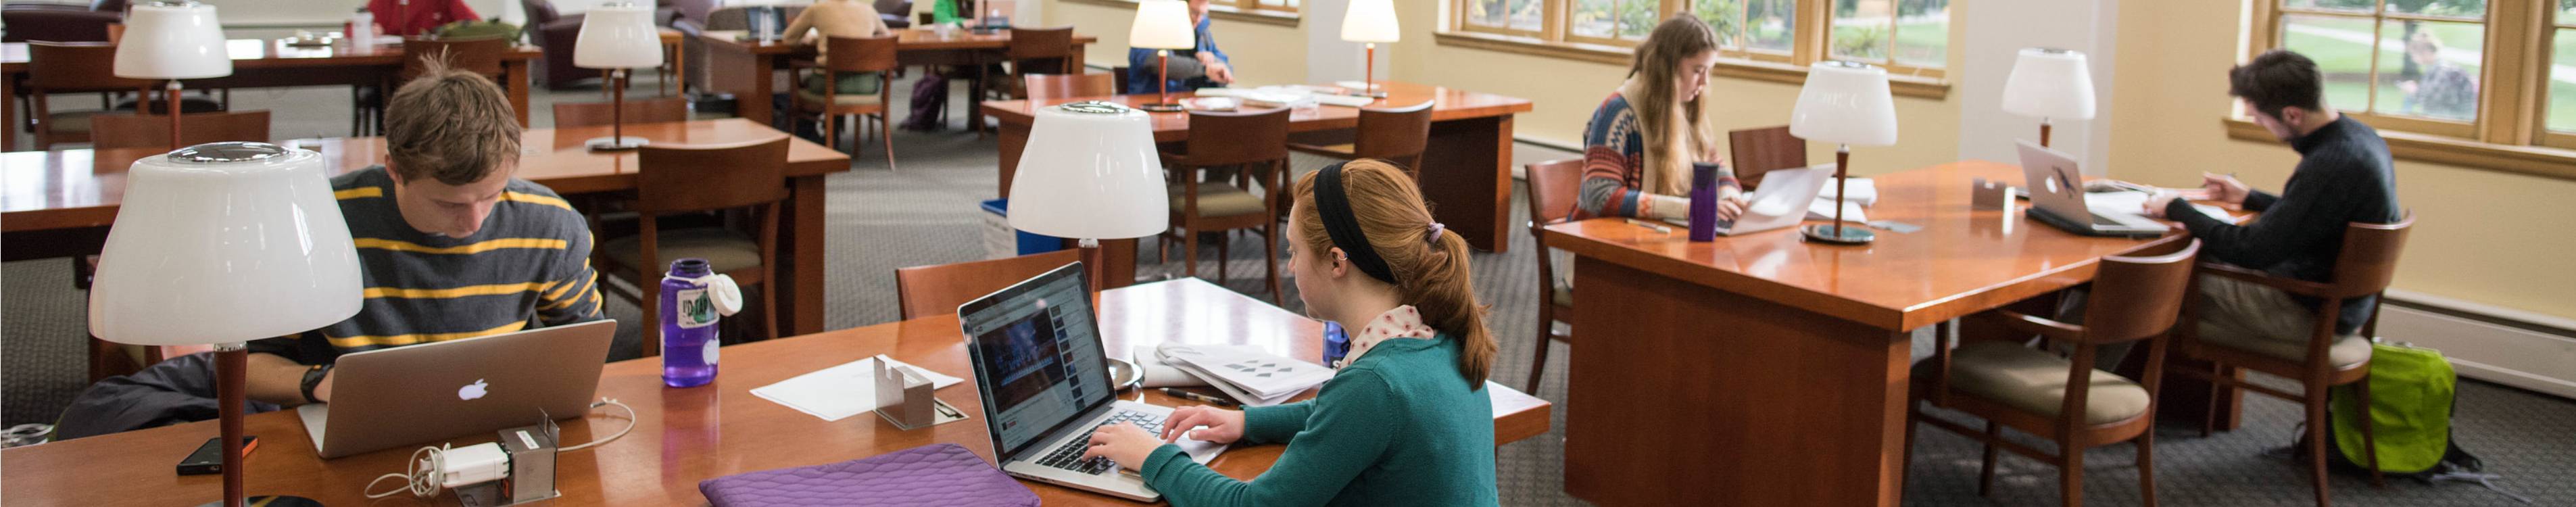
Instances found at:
x=926 y=213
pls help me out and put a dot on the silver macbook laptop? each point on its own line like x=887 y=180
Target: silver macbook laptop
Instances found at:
x=1044 y=379
x=1781 y=202
x=388 y=398
x=2056 y=190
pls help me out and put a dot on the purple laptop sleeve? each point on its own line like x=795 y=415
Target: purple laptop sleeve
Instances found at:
x=938 y=474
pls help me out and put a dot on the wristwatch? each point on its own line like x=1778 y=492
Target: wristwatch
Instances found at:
x=313 y=378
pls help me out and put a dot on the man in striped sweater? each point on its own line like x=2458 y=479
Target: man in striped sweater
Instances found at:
x=451 y=247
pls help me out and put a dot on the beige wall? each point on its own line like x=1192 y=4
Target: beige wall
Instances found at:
x=1261 y=54
x=2482 y=236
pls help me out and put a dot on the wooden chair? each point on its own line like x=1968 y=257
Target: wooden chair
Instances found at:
x=1762 y=150
x=2026 y=389
x=153 y=131
x=1256 y=140
x=479 y=56
x=62 y=67
x=593 y=114
x=1057 y=86
x=696 y=179
x=1398 y=135
x=853 y=56
x=937 y=290
x=1119 y=75
x=1553 y=190
x=1039 y=51
x=2363 y=268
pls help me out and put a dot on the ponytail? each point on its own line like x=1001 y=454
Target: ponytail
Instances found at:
x=1429 y=263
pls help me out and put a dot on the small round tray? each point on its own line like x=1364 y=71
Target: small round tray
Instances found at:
x=1124 y=374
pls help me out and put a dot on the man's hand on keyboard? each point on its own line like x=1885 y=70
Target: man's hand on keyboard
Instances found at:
x=1122 y=442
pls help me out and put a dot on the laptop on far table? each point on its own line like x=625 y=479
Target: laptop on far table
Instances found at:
x=2057 y=197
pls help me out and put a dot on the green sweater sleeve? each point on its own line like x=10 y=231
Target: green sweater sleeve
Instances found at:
x=1352 y=423
x=1277 y=423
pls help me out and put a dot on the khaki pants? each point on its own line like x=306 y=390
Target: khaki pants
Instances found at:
x=2229 y=308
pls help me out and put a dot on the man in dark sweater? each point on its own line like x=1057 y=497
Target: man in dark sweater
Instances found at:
x=2344 y=176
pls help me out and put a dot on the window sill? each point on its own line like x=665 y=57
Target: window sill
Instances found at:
x=1221 y=12
x=2531 y=160
x=1907 y=86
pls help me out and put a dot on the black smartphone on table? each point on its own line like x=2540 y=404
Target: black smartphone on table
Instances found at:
x=209 y=458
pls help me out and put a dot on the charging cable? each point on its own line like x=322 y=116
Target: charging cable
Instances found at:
x=436 y=468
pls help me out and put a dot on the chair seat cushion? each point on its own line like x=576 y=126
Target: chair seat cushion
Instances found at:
x=1219 y=200
x=811 y=99
x=2347 y=350
x=2034 y=381
x=69 y=122
x=726 y=250
x=1562 y=295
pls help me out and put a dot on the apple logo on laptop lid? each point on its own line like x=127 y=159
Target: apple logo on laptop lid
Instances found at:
x=472 y=391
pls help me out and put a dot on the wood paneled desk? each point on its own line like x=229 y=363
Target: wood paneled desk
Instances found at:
x=261 y=63
x=1766 y=370
x=747 y=68
x=60 y=203
x=683 y=436
x=1466 y=171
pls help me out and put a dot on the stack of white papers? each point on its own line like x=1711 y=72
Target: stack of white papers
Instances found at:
x=841 y=391
x=1256 y=378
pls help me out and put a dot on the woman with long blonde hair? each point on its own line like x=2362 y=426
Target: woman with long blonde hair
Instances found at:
x=1406 y=421
x=1639 y=146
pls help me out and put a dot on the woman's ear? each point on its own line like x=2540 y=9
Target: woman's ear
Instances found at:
x=1340 y=263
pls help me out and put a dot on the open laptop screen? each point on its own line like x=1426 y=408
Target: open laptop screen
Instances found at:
x=1037 y=356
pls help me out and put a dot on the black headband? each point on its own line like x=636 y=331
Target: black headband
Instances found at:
x=1335 y=209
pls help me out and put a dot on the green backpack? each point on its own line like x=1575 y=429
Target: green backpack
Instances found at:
x=2411 y=400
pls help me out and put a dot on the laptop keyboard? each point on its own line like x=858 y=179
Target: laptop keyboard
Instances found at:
x=1069 y=457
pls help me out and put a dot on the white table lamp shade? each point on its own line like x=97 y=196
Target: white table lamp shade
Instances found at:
x=1162 y=24
x=1090 y=175
x=223 y=252
x=2050 y=83
x=1370 y=21
x=617 y=36
x=181 y=41
x=1845 y=103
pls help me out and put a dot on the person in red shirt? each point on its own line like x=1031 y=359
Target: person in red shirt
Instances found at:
x=418 y=17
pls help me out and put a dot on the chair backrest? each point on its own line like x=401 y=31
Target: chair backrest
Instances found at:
x=1555 y=187
x=926 y=19
x=937 y=290
x=1761 y=150
x=1231 y=138
x=674 y=179
x=1398 y=134
x=861 y=54
x=153 y=131
x=591 y=114
x=1054 y=86
x=480 y=56
x=1042 y=44
x=67 y=66
x=2138 y=297
x=2369 y=257
x=539 y=12
x=895 y=7
x=1119 y=75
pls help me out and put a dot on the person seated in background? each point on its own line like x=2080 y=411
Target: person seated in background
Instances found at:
x=418 y=17
x=451 y=247
x=838 y=18
x=1202 y=67
x=2344 y=175
x=1639 y=145
x=1406 y=420
x=2440 y=89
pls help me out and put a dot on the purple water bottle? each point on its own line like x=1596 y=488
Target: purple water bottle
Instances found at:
x=1337 y=344
x=688 y=325
x=1703 y=202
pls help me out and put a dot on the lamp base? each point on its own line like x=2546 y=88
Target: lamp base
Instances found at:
x=615 y=143
x=271 y=501
x=1160 y=107
x=1850 y=235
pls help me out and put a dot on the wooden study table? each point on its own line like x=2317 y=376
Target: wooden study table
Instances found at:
x=1466 y=170
x=747 y=68
x=60 y=203
x=1766 y=370
x=259 y=63
x=683 y=436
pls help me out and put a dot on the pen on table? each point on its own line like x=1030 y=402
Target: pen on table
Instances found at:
x=1186 y=395
x=1650 y=225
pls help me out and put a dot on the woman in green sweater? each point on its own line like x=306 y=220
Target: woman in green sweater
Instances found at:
x=1406 y=421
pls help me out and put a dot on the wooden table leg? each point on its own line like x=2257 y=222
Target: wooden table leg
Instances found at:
x=1467 y=176
x=1013 y=139
x=514 y=73
x=801 y=239
x=1683 y=394
x=9 y=112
